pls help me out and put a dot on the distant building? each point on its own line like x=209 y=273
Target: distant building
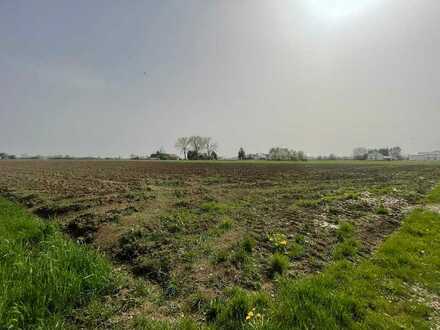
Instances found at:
x=433 y=155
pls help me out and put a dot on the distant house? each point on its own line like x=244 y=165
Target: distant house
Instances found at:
x=375 y=155
x=433 y=155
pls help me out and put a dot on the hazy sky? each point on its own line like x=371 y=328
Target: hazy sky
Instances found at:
x=318 y=75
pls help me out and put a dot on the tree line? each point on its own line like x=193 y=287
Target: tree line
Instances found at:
x=275 y=153
x=4 y=155
x=394 y=153
x=197 y=147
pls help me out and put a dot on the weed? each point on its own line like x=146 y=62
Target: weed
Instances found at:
x=296 y=250
x=248 y=244
x=197 y=302
x=308 y=203
x=279 y=241
x=239 y=256
x=382 y=210
x=232 y=313
x=221 y=256
x=225 y=224
x=279 y=263
x=345 y=231
x=300 y=239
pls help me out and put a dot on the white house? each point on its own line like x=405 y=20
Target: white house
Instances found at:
x=433 y=155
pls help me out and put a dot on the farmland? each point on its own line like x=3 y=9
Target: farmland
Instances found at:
x=183 y=234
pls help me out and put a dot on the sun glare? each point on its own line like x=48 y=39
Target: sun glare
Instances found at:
x=339 y=8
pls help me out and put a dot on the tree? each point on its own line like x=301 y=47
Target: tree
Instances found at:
x=396 y=153
x=278 y=153
x=360 y=153
x=193 y=155
x=4 y=155
x=301 y=156
x=210 y=145
x=197 y=147
x=384 y=151
x=197 y=143
x=183 y=144
x=241 y=154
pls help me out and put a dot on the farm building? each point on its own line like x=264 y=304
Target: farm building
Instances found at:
x=433 y=155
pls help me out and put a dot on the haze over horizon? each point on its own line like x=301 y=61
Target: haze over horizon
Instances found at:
x=114 y=78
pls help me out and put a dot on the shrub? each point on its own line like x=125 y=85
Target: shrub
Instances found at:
x=279 y=263
x=248 y=244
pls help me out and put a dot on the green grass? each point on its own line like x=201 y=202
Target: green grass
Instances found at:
x=43 y=276
x=434 y=195
x=346 y=249
x=345 y=231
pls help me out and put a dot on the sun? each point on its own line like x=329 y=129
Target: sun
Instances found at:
x=339 y=8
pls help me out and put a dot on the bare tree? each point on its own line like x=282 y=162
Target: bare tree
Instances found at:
x=210 y=145
x=183 y=144
x=197 y=143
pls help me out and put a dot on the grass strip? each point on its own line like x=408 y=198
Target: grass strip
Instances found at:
x=434 y=196
x=43 y=275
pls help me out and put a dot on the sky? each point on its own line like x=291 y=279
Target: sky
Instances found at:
x=111 y=77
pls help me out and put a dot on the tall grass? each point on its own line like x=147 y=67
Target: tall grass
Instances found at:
x=43 y=276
